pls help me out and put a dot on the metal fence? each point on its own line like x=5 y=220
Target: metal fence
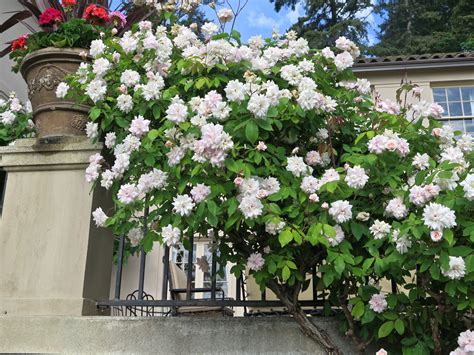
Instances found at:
x=173 y=298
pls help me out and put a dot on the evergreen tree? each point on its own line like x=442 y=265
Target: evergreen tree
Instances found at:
x=428 y=26
x=326 y=20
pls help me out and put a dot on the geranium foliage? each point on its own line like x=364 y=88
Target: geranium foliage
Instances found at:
x=282 y=156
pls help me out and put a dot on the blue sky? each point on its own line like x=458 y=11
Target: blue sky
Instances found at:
x=260 y=17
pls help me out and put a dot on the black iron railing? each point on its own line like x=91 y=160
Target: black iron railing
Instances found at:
x=141 y=303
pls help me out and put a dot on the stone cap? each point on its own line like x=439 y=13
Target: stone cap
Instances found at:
x=60 y=153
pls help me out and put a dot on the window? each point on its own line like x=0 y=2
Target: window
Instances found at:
x=3 y=185
x=221 y=279
x=180 y=257
x=458 y=105
x=202 y=263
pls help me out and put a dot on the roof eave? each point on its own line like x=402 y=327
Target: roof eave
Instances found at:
x=407 y=65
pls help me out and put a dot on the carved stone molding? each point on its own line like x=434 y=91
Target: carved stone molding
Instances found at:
x=79 y=122
x=48 y=77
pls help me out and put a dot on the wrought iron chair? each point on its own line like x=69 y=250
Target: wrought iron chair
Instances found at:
x=138 y=311
x=178 y=290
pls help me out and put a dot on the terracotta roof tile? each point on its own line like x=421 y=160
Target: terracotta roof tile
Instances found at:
x=413 y=59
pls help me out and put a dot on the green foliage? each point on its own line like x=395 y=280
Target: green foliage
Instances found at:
x=73 y=33
x=20 y=127
x=419 y=27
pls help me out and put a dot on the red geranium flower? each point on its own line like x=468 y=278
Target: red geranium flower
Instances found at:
x=96 y=14
x=50 y=16
x=68 y=3
x=19 y=43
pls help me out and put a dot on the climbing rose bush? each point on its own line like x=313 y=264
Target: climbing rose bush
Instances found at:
x=15 y=120
x=280 y=155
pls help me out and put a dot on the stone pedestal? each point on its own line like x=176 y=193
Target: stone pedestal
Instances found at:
x=53 y=260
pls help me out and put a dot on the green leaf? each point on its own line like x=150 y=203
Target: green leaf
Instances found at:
x=251 y=131
x=94 y=113
x=285 y=237
x=285 y=273
x=156 y=112
x=448 y=235
x=212 y=207
x=150 y=160
x=367 y=264
x=153 y=134
x=200 y=83
x=445 y=175
x=339 y=265
x=314 y=233
x=386 y=329
x=329 y=231
x=399 y=326
x=358 y=310
x=328 y=278
x=356 y=230
x=390 y=315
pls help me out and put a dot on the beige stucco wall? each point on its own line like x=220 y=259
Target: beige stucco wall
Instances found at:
x=53 y=260
x=387 y=82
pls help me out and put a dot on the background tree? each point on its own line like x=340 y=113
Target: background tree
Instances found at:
x=416 y=27
x=326 y=20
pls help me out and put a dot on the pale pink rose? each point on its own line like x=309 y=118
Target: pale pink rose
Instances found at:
x=262 y=194
x=346 y=166
x=381 y=352
x=391 y=145
x=200 y=192
x=377 y=144
x=403 y=147
x=261 y=146
x=325 y=205
x=378 y=303
x=123 y=89
x=436 y=110
x=255 y=261
x=238 y=181
x=314 y=198
x=436 y=132
x=139 y=126
x=436 y=236
x=128 y=193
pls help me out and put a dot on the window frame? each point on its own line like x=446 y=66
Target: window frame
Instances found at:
x=448 y=118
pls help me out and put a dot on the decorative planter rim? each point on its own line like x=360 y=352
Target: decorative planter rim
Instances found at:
x=44 y=54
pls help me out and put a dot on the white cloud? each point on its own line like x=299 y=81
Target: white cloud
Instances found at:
x=294 y=15
x=260 y=20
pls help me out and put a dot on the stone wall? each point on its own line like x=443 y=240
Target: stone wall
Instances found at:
x=167 y=336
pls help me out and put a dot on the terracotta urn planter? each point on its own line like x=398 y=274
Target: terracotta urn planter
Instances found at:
x=43 y=70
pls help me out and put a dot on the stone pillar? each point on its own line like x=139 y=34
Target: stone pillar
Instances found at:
x=53 y=260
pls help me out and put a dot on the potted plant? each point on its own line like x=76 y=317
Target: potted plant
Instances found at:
x=45 y=57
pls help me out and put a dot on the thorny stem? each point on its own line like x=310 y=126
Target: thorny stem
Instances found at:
x=342 y=297
x=308 y=328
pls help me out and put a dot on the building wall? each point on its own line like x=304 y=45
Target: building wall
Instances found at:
x=10 y=81
x=387 y=82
